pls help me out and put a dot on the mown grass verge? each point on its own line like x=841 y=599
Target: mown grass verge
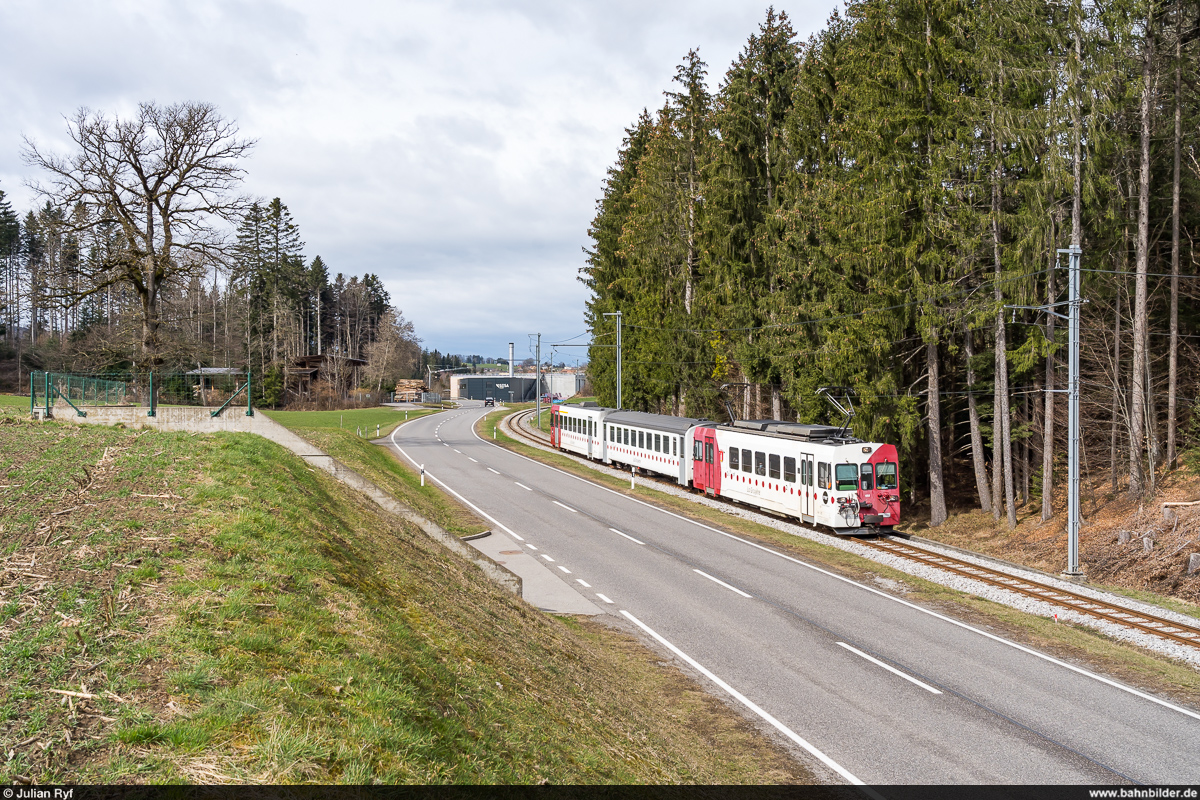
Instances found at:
x=1079 y=644
x=223 y=612
x=379 y=466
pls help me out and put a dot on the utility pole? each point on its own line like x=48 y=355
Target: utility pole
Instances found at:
x=617 y=314
x=1073 y=304
x=538 y=380
x=1074 y=252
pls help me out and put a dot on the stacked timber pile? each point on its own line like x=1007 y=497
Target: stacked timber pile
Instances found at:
x=409 y=390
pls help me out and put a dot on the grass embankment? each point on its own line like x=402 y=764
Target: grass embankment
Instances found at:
x=339 y=437
x=14 y=401
x=223 y=612
x=1076 y=643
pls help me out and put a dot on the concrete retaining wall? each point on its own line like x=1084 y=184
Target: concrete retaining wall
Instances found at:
x=200 y=420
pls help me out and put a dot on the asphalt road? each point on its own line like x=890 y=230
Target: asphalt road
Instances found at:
x=873 y=688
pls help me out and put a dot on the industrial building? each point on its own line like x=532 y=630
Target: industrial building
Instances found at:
x=517 y=388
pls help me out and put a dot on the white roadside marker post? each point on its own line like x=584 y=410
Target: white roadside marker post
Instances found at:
x=632 y=470
x=422 y=474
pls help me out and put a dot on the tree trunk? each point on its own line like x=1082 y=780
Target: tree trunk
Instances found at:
x=977 y=459
x=937 y=489
x=1048 y=399
x=1003 y=423
x=1173 y=357
x=1137 y=411
x=1116 y=389
x=776 y=405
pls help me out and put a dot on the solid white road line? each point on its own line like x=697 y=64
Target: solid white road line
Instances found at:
x=548 y=558
x=721 y=582
x=605 y=599
x=568 y=508
x=523 y=486
x=582 y=582
x=741 y=698
x=489 y=469
x=864 y=587
x=442 y=483
x=564 y=569
x=889 y=668
x=627 y=536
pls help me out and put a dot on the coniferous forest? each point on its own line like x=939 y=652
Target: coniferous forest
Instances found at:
x=865 y=209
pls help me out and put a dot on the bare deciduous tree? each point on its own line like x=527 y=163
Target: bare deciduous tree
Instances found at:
x=162 y=176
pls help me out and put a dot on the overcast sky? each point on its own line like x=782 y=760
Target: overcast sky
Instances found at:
x=456 y=149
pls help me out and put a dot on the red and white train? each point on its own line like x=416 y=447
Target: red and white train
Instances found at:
x=819 y=474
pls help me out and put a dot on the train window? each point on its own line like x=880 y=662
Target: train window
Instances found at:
x=641 y=440
x=867 y=477
x=760 y=463
x=847 y=477
x=674 y=446
x=657 y=443
x=697 y=450
x=823 y=481
x=804 y=472
x=746 y=466
x=708 y=453
x=733 y=458
x=773 y=466
x=789 y=469
x=885 y=476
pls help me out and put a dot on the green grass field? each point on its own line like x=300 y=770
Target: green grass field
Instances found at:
x=223 y=613
x=14 y=401
x=365 y=418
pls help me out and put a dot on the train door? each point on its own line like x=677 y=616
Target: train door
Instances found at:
x=591 y=429
x=808 y=482
x=555 y=429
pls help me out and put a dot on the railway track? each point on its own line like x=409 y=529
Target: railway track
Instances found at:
x=1089 y=606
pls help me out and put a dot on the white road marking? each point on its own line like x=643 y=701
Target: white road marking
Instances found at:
x=455 y=449
x=721 y=582
x=627 y=536
x=741 y=698
x=582 y=582
x=523 y=486
x=568 y=508
x=889 y=668
x=489 y=469
x=471 y=459
x=548 y=558
x=531 y=547
x=564 y=569
x=602 y=597
x=864 y=587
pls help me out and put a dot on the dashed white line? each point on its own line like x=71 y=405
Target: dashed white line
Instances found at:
x=489 y=469
x=741 y=698
x=889 y=668
x=455 y=449
x=721 y=582
x=568 y=508
x=531 y=547
x=627 y=536
x=471 y=459
x=548 y=558
x=583 y=583
x=523 y=486
x=564 y=569
x=602 y=597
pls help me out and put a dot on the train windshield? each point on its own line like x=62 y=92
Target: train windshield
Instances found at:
x=885 y=476
x=846 y=476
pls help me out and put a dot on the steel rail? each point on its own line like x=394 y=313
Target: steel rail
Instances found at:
x=1090 y=606
x=1110 y=612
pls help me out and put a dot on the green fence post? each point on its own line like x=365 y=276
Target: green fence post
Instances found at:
x=47 y=374
x=150 y=413
x=249 y=397
x=32 y=393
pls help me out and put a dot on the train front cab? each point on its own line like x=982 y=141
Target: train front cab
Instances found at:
x=706 y=461
x=879 y=488
x=555 y=427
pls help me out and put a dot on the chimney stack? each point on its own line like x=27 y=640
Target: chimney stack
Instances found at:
x=510 y=359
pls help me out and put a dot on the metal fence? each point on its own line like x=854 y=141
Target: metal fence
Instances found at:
x=207 y=388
